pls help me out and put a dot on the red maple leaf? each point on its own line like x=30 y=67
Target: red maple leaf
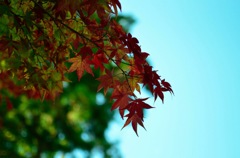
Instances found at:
x=121 y=102
x=99 y=59
x=137 y=106
x=135 y=119
x=106 y=81
x=167 y=86
x=158 y=93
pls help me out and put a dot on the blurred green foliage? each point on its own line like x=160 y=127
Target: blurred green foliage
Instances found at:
x=77 y=119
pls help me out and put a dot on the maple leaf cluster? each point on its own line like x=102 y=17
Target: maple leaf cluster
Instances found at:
x=42 y=41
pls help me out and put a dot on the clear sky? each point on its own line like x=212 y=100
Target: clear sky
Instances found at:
x=195 y=45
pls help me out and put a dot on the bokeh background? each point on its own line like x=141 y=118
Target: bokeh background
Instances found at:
x=195 y=45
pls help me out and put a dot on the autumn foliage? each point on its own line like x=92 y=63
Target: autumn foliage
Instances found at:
x=41 y=41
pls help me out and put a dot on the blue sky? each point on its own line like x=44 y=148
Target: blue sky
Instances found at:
x=195 y=45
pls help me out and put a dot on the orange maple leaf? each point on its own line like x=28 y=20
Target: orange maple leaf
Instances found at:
x=79 y=65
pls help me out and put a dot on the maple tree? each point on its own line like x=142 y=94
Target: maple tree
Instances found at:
x=41 y=41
